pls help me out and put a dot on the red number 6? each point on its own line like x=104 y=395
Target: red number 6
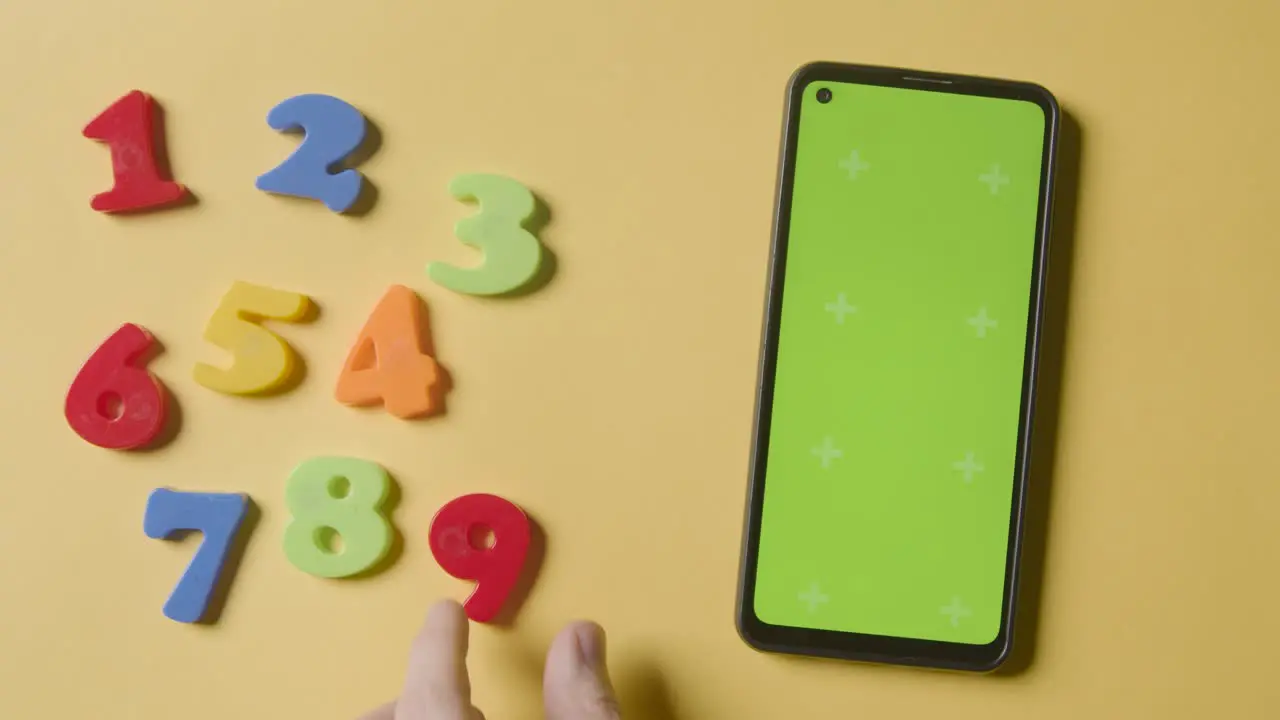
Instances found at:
x=113 y=403
x=458 y=542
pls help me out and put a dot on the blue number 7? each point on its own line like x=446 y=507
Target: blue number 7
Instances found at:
x=218 y=517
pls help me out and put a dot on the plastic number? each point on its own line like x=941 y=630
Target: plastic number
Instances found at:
x=261 y=360
x=330 y=496
x=387 y=363
x=333 y=130
x=455 y=537
x=114 y=403
x=218 y=517
x=512 y=254
x=128 y=126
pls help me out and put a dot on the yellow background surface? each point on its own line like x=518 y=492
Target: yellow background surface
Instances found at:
x=615 y=404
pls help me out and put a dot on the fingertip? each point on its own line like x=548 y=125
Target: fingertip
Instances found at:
x=437 y=675
x=445 y=610
x=565 y=652
x=576 y=684
x=591 y=642
x=445 y=620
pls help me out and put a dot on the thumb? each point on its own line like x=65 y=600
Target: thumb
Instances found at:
x=576 y=683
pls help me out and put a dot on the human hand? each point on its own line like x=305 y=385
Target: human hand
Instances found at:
x=575 y=684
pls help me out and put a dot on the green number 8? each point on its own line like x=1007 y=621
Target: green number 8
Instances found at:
x=342 y=496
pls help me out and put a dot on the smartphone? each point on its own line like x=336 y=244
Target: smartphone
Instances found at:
x=898 y=367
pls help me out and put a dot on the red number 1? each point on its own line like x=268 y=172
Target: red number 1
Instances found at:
x=129 y=128
x=458 y=541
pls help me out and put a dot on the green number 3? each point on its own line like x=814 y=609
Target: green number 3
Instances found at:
x=332 y=499
x=512 y=254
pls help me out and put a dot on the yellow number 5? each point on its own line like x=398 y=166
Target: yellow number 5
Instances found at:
x=261 y=361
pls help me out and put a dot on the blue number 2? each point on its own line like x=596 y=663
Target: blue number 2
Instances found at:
x=332 y=131
x=218 y=517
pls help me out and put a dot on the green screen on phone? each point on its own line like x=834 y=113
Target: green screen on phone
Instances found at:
x=894 y=426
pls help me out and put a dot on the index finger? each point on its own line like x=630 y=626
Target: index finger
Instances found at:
x=436 y=686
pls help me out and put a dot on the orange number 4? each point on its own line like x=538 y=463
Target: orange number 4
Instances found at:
x=389 y=362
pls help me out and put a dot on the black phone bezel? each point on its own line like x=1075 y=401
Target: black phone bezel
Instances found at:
x=858 y=646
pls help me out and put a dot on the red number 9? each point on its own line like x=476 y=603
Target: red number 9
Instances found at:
x=458 y=542
x=113 y=403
